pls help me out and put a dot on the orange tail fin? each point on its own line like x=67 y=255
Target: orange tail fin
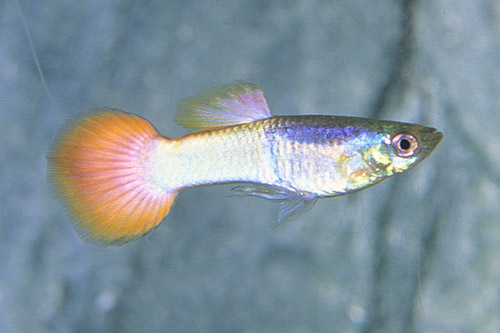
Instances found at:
x=99 y=166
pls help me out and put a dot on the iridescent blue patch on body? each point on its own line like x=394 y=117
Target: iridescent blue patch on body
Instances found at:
x=318 y=133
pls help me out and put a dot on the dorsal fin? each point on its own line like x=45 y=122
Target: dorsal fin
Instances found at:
x=237 y=103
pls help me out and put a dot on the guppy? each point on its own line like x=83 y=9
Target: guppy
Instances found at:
x=119 y=176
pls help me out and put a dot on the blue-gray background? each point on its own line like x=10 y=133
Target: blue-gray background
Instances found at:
x=418 y=252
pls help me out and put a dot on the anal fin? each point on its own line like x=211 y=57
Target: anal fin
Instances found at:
x=293 y=203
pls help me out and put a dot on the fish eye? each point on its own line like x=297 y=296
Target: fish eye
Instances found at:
x=404 y=144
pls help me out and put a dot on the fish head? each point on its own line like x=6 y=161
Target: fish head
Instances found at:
x=398 y=147
x=409 y=144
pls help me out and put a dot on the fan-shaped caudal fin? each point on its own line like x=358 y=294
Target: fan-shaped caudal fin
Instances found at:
x=99 y=167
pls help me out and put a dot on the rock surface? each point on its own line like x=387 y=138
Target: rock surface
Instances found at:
x=419 y=252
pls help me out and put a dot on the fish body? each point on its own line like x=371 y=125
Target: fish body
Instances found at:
x=320 y=155
x=120 y=177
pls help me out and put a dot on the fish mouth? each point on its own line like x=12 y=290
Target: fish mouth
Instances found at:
x=436 y=136
x=431 y=140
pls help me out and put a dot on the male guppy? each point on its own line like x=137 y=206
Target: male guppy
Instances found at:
x=119 y=177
